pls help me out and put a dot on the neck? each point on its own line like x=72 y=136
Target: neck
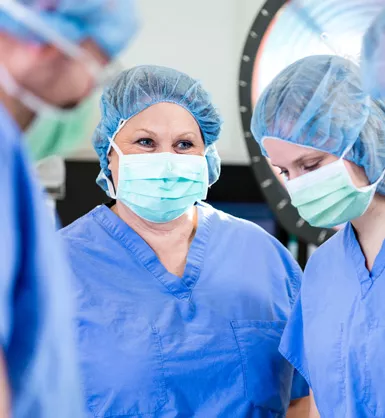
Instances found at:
x=20 y=113
x=181 y=229
x=370 y=228
x=372 y=222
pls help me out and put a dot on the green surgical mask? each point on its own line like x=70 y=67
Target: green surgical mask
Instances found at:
x=160 y=187
x=327 y=197
x=52 y=134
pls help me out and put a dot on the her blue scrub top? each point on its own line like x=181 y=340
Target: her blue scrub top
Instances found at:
x=36 y=330
x=336 y=334
x=205 y=345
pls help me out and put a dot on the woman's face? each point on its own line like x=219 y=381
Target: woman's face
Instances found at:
x=295 y=160
x=163 y=127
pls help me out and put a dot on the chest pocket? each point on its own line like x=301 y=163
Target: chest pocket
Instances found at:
x=122 y=367
x=267 y=375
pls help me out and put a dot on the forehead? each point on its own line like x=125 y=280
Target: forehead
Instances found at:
x=284 y=153
x=163 y=115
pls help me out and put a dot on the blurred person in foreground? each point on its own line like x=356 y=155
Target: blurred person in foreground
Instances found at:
x=52 y=54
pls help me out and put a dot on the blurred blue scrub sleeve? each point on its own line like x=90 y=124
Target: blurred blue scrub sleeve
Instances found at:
x=300 y=388
x=35 y=304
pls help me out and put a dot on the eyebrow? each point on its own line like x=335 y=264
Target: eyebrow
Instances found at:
x=187 y=133
x=307 y=157
x=304 y=157
x=148 y=131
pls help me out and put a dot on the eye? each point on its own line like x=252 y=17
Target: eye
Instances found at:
x=284 y=173
x=184 y=145
x=145 y=142
x=311 y=167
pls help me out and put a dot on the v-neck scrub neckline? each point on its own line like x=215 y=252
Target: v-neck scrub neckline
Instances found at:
x=354 y=252
x=180 y=287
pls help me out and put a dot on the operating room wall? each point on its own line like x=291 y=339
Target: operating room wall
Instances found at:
x=204 y=39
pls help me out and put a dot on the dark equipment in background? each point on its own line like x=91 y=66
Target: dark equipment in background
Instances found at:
x=283 y=32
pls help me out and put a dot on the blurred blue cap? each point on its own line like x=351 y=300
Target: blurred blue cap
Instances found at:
x=109 y=23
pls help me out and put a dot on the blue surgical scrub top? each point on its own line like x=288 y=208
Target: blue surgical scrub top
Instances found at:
x=336 y=334
x=204 y=345
x=36 y=329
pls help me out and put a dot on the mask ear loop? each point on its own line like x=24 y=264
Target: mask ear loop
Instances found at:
x=376 y=183
x=110 y=185
x=347 y=150
x=350 y=147
x=374 y=187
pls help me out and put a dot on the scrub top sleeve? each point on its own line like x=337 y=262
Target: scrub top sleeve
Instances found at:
x=292 y=342
x=300 y=388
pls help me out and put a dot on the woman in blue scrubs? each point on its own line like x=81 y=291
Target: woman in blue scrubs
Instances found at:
x=326 y=135
x=180 y=307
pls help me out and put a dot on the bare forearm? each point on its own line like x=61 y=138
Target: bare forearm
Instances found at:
x=313 y=413
x=4 y=392
x=299 y=408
